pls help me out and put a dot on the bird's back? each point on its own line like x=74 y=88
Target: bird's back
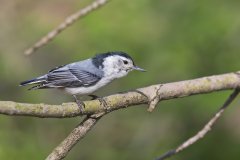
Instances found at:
x=88 y=66
x=77 y=74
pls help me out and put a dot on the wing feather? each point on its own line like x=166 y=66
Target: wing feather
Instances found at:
x=70 y=77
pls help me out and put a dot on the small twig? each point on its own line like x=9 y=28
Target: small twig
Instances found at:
x=203 y=131
x=68 y=21
x=78 y=133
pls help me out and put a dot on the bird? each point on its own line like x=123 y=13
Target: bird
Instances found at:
x=86 y=76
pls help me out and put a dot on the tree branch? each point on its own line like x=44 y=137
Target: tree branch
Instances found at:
x=78 y=133
x=151 y=95
x=201 y=134
x=67 y=22
x=127 y=99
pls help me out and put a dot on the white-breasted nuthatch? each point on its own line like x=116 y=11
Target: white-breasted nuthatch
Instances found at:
x=85 y=77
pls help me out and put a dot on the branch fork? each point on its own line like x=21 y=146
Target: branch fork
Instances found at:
x=153 y=95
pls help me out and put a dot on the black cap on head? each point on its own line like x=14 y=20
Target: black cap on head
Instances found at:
x=98 y=59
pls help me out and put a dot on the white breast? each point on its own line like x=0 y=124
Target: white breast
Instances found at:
x=87 y=90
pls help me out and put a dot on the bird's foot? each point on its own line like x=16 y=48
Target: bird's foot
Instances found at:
x=101 y=100
x=80 y=104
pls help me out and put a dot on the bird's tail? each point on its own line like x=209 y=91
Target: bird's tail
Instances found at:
x=34 y=81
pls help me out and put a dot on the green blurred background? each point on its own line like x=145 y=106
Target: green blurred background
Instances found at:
x=173 y=39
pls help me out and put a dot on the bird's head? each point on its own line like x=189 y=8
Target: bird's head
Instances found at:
x=115 y=64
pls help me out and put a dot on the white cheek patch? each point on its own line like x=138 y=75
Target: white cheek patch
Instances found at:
x=113 y=67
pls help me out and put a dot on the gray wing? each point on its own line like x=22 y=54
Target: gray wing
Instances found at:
x=73 y=75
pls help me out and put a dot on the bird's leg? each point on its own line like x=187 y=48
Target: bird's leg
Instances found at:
x=101 y=100
x=80 y=104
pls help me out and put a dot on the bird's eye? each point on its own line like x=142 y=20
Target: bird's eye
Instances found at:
x=125 y=62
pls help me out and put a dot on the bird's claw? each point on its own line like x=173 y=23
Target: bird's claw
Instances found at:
x=80 y=104
x=101 y=100
x=104 y=103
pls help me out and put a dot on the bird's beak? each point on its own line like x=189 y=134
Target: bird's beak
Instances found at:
x=138 y=69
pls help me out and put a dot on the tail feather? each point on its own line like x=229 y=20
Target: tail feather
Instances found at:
x=33 y=81
x=40 y=86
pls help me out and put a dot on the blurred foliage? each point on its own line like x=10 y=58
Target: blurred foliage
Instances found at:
x=174 y=40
